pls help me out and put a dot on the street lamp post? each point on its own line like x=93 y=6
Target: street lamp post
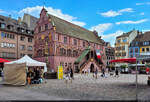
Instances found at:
x=136 y=82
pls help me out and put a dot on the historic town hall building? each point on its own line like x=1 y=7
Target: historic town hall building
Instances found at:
x=59 y=42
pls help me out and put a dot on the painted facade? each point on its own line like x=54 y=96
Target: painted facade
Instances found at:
x=140 y=45
x=122 y=44
x=58 y=42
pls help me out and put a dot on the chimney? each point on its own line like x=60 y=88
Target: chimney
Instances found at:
x=19 y=20
x=9 y=16
x=95 y=32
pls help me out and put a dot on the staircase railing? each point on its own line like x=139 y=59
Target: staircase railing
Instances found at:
x=84 y=64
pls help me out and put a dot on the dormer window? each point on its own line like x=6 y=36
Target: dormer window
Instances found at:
x=32 y=32
x=28 y=31
x=2 y=25
x=10 y=27
x=22 y=30
x=18 y=29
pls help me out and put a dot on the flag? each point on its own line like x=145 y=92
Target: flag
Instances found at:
x=98 y=53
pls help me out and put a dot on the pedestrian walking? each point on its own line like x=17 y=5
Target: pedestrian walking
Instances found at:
x=89 y=71
x=103 y=72
x=2 y=74
x=85 y=71
x=117 y=73
x=96 y=72
x=67 y=77
x=71 y=73
x=147 y=70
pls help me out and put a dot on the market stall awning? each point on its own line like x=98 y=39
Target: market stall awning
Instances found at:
x=124 y=60
x=3 y=60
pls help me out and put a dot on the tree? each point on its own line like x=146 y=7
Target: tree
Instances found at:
x=123 y=66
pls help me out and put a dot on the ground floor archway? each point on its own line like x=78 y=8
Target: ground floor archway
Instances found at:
x=92 y=68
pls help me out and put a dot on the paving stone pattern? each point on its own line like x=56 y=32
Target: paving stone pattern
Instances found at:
x=83 y=87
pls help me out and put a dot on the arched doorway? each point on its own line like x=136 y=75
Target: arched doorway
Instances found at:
x=92 y=68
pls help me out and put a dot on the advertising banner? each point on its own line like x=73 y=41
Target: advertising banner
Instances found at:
x=60 y=72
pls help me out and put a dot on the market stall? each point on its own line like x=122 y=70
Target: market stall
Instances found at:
x=16 y=72
x=2 y=61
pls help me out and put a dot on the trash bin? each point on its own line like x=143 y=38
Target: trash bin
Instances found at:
x=148 y=81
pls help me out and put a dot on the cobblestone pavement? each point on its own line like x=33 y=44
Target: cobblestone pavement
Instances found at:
x=83 y=87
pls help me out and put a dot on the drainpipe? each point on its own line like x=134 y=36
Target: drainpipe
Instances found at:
x=17 y=46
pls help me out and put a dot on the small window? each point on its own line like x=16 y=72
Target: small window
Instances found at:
x=22 y=38
x=125 y=40
x=136 y=50
x=65 y=40
x=83 y=44
x=46 y=26
x=75 y=42
x=29 y=39
x=118 y=41
x=22 y=47
x=2 y=25
x=147 y=49
x=29 y=48
x=39 y=29
x=22 y=30
x=2 y=35
x=65 y=64
x=143 y=49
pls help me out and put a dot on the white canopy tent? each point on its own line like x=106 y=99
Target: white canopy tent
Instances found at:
x=29 y=62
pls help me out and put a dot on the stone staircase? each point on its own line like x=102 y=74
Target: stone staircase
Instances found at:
x=89 y=60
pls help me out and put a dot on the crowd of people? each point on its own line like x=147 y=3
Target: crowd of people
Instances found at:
x=69 y=73
x=95 y=72
x=34 y=75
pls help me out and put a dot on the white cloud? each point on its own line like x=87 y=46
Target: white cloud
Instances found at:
x=132 y=22
x=146 y=3
x=2 y=11
x=126 y=10
x=112 y=37
x=139 y=3
x=142 y=13
x=35 y=11
x=112 y=13
x=147 y=30
x=101 y=28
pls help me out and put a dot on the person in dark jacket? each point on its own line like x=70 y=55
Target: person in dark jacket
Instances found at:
x=96 y=72
x=117 y=73
x=71 y=73
x=103 y=72
x=37 y=74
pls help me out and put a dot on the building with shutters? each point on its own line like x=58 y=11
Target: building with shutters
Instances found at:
x=16 y=38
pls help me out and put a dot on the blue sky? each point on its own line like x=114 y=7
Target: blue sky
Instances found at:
x=109 y=17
